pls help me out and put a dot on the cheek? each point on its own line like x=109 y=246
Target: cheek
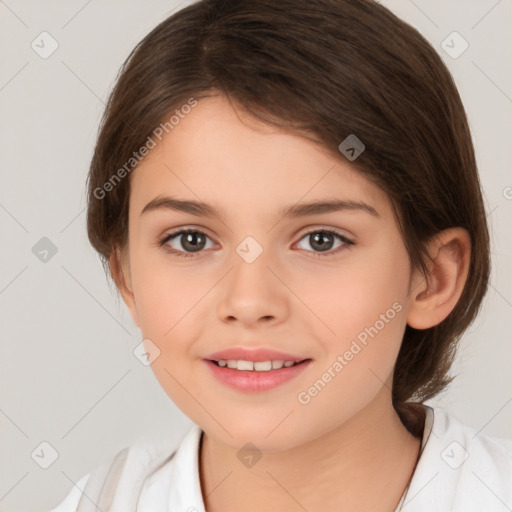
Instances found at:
x=369 y=287
x=166 y=295
x=169 y=310
x=363 y=305
x=366 y=310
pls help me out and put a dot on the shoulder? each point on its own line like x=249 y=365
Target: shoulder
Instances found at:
x=492 y=454
x=119 y=481
x=460 y=468
x=70 y=502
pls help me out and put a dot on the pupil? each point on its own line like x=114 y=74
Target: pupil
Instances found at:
x=191 y=238
x=321 y=239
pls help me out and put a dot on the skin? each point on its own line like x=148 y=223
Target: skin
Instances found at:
x=293 y=298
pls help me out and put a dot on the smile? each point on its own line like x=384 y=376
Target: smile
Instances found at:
x=255 y=376
x=257 y=366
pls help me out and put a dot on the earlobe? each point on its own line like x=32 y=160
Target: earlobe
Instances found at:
x=120 y=270
x=433 y=297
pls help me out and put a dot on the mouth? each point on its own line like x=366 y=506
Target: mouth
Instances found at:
x=255 y=366
x=255 y=376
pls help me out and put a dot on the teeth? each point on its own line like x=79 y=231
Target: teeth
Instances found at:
x=263 y=366
x=259 y=366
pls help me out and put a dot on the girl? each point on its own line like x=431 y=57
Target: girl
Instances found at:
x=286 y=196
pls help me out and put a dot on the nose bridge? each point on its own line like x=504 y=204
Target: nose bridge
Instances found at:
x=252 y=290
x=251 y=260
x=250 y=250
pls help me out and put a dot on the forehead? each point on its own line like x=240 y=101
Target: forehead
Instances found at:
x=220 y=155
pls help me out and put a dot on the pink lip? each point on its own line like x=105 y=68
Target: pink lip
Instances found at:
x=254 y=381
x=255 y=354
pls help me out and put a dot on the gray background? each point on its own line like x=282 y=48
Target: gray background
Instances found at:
x=68 y=375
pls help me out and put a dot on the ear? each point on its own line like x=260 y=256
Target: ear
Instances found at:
x=433 y=297
x=120 y=269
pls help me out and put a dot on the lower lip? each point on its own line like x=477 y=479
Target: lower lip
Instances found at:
x=254 y=381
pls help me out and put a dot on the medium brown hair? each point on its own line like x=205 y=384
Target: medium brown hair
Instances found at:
x=324 y=69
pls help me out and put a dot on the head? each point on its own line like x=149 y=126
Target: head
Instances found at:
x=243 y=106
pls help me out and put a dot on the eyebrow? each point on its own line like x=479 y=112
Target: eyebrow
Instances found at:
x=200 y=209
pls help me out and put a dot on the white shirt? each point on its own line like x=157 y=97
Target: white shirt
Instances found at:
x=459 y=470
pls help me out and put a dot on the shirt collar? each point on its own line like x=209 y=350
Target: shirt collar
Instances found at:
x=185 y=494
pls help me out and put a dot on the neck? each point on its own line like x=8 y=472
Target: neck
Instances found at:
x=364 y=464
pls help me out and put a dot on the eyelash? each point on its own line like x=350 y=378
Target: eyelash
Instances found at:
x=183 y=254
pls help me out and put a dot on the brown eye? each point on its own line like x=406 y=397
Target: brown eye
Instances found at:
x=185 y=242
x=322 y=241
x=193 y=241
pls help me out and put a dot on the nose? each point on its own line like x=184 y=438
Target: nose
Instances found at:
x=253 y=294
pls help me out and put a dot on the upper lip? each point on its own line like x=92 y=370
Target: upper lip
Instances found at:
x=253 y=354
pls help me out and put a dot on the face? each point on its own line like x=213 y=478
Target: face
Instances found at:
x=327 y=287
